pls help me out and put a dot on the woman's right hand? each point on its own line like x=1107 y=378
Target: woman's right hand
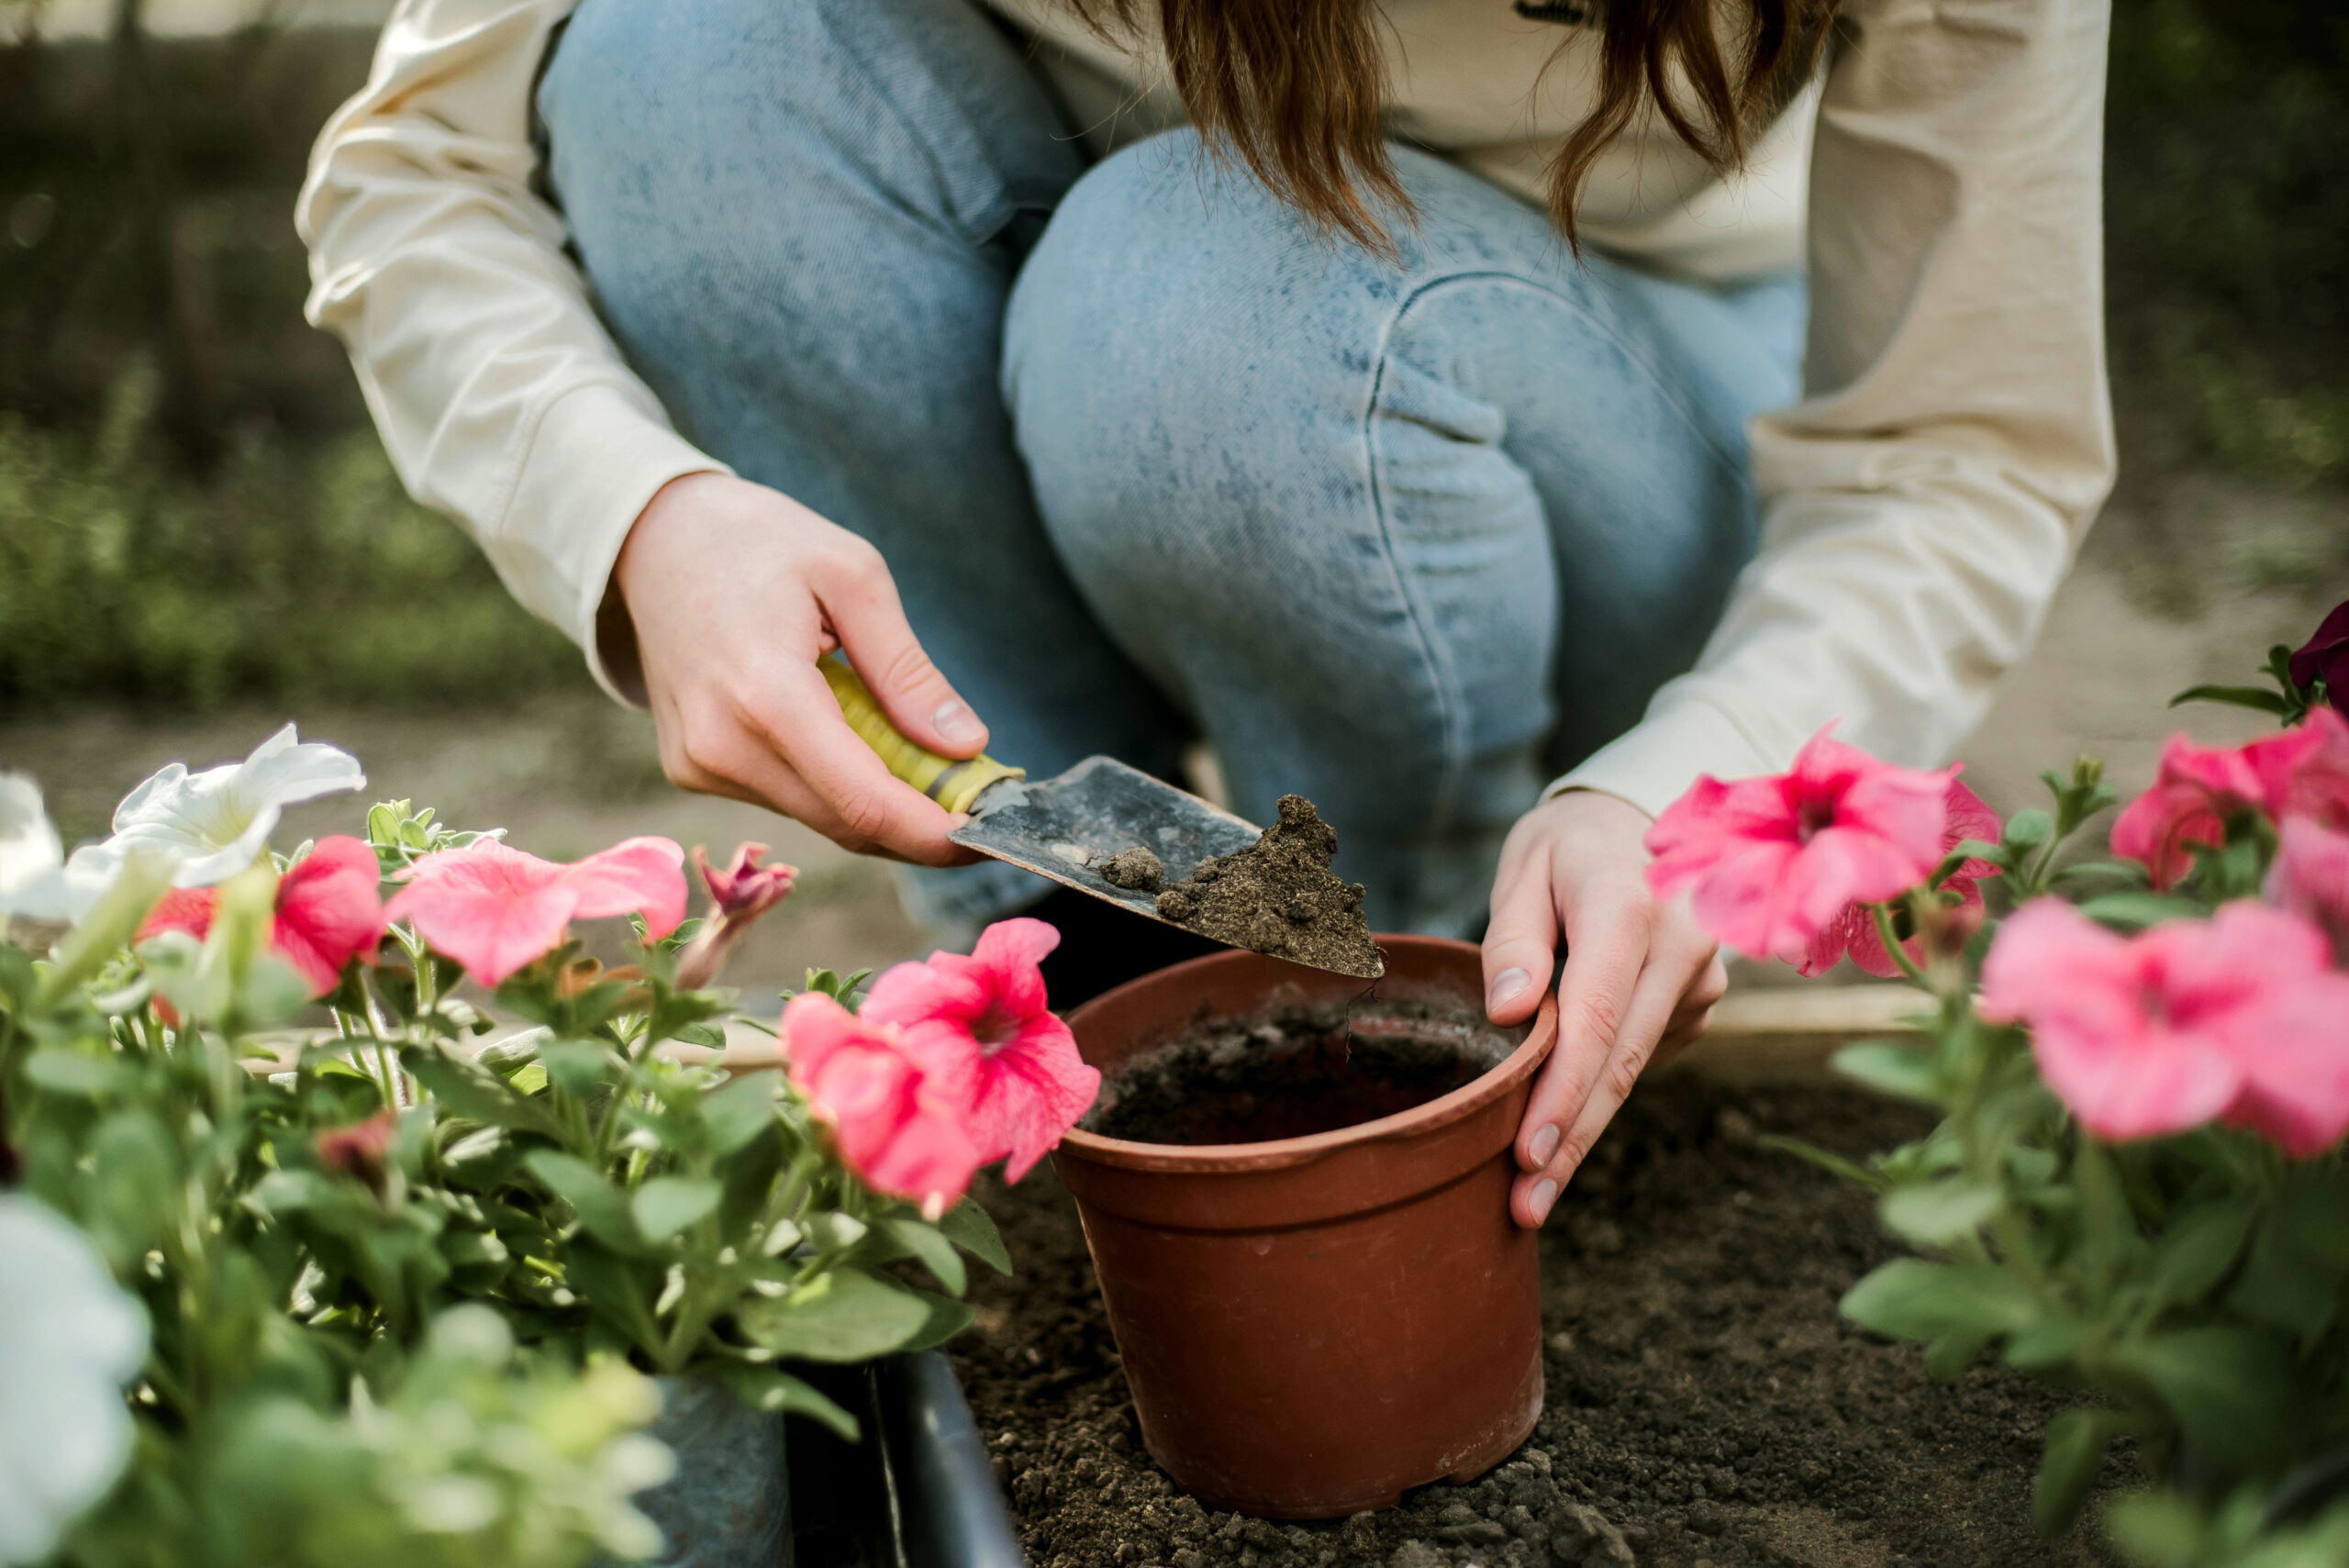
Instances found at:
x=735 y=592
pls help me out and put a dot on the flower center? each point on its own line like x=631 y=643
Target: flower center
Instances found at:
x=1815 y=816
x=995 y=1029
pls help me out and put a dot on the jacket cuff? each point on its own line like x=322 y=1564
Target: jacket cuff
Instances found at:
x=599 y=455
x=1652 y=764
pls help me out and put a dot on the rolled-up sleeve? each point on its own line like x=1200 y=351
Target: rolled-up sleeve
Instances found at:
x=1923 y=503
x=499 y=395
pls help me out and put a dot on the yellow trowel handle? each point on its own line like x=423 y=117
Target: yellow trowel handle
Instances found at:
x=951 y=784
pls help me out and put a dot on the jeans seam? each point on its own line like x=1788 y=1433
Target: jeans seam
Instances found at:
x=1441 y=677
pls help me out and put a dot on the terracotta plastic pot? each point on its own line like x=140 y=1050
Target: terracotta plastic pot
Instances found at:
x=1311 y=1326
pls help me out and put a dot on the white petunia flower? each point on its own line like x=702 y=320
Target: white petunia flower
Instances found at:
x=215 y=822
x=30 y=851
x=70 y=1339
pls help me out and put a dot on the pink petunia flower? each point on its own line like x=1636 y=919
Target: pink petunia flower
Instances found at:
x=740 y=893
x=1773 y=862
x=983 y=1021
x=894 y=1123
x=2310 y=878
x=1854 y=933
x=328 y=912
x=496 y=910
x=2237 y=1017
x=2304 y=772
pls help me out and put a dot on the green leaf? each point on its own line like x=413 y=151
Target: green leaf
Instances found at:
x=2046 y=1345
x=618 y=1291
x=969 y=1227
x=2286 y=1282
x=2110 y=1241
x=1909 y=1298
x=947 y=1317
x=1900 y=1070
x=478 y=1095
x=2159 y=1530
x=576 y=1066
x=2028 y=828
x=765 y=1388
x=71 y=1073
x=2258 y=697
x=1939 y=1212
x=1833 y=1164
x=936 y=1252
x=603 y=1208
x=1949 y=1356
x=666 y=1204
x=2196 y=1252
x=740 y=1111
x=2077 y=1440
x=2228 y=1387
x=2134 y=911
x=845 y=1315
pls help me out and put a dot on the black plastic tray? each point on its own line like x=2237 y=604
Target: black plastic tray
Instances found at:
x=919 y=1492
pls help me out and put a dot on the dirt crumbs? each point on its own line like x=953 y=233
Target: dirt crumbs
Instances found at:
x=1136 y=868
x=1706 y=1407
x=1295 y=1072
x=1278 y=897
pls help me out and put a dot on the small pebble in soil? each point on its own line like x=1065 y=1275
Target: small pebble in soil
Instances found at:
x=1279 y=896
x=1137 y=869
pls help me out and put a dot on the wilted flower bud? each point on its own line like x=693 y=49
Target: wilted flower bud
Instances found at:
x=742 y=892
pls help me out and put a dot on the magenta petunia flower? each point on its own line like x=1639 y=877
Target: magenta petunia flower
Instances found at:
x=2303 y=772
x=2310 y=878
x=328 y=912
x=745 y=890
x=2237 y=1019
x=1854 y=933
x=2327 y=654
x=983 y=1023
x=1773 y=862
x=894 y=1123
x=494 y=910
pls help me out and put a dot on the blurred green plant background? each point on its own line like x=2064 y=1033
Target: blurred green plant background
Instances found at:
x=194 y=514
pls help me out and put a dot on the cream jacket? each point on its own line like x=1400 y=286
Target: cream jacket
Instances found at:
x=1920 y=504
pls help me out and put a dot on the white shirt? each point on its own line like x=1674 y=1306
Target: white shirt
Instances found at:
x=1920 y=505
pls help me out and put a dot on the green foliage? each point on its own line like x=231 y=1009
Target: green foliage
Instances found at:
x=289 y=575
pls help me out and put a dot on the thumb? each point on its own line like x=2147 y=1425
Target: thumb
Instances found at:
x=1521 y=945
x=859 y=599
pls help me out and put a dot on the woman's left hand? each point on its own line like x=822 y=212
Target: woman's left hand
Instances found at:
x=1640 y=980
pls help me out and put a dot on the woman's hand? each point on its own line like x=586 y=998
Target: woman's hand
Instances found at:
x=1639 y=982
x=735 y=590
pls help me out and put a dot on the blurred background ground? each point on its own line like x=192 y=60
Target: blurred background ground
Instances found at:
x=200 y=537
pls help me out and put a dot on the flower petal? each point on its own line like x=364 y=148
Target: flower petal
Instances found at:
x=329 y=911
x=636 y=876
x=1029 y=1093
x=492 y=909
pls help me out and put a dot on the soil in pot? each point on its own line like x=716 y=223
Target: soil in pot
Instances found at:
x=1291 y=1071
x=1707 y=1405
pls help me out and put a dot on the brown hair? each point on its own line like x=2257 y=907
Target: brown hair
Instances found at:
x=1295 y=88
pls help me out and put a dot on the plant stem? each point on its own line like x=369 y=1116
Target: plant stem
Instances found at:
x=1883 y=913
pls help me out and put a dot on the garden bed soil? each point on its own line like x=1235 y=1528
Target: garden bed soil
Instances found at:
x=1293 y=1072
x=1707 y=1406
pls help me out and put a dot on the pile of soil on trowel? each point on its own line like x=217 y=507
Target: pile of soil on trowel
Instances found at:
x=1277 y=895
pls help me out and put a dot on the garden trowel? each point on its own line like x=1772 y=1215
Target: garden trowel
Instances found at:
x=1063 y=828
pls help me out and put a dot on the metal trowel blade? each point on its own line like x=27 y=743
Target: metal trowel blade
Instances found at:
x=1064 y=827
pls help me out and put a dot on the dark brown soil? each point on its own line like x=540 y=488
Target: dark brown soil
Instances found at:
x=1707 y=1406
x=1292 y=1073
x=1279 y=896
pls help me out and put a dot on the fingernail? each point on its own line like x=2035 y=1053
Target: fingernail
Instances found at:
x=1544 y=1194
x=955 y=721
x=1544 y=1144
x=1506 y=984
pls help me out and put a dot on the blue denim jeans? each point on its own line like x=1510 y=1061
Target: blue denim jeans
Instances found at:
x=1149 y=456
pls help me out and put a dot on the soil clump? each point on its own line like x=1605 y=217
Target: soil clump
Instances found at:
x=1707 y=1406
x=1296 y=1071
x=1136 y=868
x=1279 y=896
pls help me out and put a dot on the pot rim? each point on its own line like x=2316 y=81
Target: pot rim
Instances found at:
x=1419 y=1120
